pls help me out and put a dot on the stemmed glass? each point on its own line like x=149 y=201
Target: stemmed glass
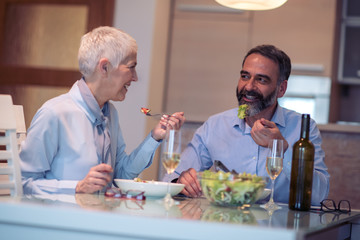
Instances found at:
x=170 y=157
x=274 y=166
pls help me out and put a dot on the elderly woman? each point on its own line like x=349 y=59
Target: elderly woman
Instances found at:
x=74 y=143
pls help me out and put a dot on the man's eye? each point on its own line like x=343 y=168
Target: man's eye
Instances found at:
x=243 y=76
x=262 y=80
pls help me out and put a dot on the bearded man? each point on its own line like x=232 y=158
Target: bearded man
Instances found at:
x=241 y=144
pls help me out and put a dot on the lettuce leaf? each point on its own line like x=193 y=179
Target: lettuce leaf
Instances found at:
x=242 y=111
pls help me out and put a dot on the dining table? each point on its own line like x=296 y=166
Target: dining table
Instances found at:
x=95 y=216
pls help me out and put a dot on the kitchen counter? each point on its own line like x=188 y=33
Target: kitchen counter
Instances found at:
x=87 y=216
x=340 y=127
x=341 y=145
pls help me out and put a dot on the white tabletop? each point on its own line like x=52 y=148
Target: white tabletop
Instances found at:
x=84 y=216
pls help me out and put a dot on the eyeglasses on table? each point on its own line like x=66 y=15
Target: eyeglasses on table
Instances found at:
x=329 y=211
x=329 y=205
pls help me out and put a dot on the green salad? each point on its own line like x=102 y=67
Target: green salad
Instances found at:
x=242 y=111
x=227 y=189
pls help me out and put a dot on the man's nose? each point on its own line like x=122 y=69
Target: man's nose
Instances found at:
x=250 y=84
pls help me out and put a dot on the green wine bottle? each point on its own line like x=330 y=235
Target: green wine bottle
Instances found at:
x=302 y=169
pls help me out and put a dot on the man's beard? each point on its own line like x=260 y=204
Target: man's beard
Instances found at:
x=259 y=105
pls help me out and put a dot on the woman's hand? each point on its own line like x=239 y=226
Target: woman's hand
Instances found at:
x=174 y=121
x=96 y=179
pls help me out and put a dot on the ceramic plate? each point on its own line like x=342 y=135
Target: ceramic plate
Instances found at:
x=151 y=188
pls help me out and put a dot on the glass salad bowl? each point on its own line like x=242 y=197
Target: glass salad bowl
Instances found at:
x=232 y=190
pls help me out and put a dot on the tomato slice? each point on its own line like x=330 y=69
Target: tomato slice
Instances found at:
x=145 y=110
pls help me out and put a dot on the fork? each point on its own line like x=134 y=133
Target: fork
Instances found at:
x=220 y=166
x=153 y=115
x=146 y=111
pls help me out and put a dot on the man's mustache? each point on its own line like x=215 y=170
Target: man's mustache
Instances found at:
x=252 y=93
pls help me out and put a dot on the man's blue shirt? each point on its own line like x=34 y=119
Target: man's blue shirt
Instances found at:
x=227 y=138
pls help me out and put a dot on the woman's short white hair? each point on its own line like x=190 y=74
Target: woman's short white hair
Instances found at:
x=104 y=42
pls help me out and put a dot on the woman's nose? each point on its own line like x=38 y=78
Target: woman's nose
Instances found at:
x=134 y=76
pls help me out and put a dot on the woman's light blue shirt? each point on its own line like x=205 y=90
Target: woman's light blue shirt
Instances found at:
x=60 y=146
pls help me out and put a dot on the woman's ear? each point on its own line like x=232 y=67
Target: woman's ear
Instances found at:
x=282 y=88
x=103 y=66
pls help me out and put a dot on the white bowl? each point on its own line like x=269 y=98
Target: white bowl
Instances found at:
x=151 y=188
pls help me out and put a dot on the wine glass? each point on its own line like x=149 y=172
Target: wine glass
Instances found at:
x=170 y=157
x=274 y=166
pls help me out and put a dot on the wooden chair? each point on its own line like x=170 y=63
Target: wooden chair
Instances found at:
x=9 y=153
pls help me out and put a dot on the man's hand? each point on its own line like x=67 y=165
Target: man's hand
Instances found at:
x=97 y=178
x=192 y=186
x=264 y=130
x=175 y=121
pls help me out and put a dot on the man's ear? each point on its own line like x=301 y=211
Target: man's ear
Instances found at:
x=282 y=88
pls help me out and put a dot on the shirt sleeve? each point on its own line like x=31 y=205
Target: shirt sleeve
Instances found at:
x=195 y=155
x=130 y=166
x=36 y=184
x=321 y=177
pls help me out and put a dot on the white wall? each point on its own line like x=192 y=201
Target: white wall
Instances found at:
x=136 y=17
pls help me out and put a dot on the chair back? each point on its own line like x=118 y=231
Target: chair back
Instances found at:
x=9 y=153
x=20 y=124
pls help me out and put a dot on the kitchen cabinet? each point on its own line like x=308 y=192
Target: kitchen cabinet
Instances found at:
x=349 y=54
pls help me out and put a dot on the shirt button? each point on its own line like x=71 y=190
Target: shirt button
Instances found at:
x=254 y=158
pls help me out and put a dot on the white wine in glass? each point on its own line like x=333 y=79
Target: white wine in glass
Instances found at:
x=274 y=166
x=170 y=161
x=170 y=157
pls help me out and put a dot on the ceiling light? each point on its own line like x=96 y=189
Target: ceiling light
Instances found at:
x=252 y=4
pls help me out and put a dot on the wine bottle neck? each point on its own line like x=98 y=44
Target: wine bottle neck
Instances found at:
x=305 y=126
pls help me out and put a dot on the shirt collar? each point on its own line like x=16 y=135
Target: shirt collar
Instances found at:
x=278 y=116
x=91 y=102
x=237 y=122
